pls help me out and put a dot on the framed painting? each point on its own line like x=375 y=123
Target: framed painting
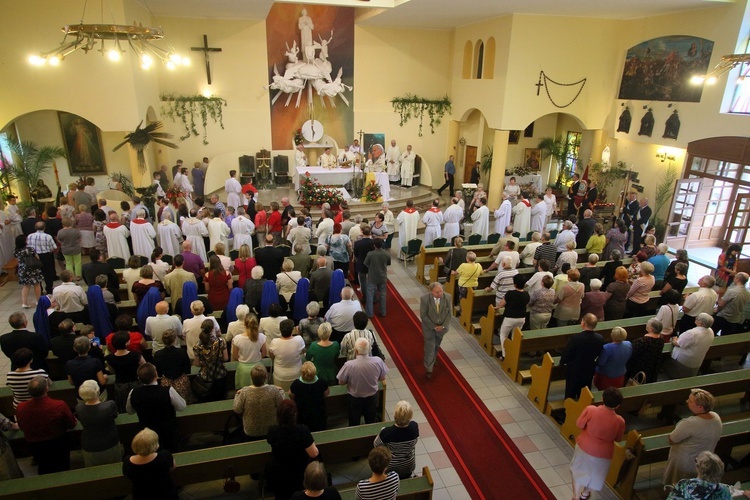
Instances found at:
x=513 y=136
x=531 y=158
x=529 y=131
x=83 y=145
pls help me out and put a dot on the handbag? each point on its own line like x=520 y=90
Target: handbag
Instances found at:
x=32 y=262
x=235 y=436
x=637 y=379
x=231 y=485
x=376 y=349
x=201 y=388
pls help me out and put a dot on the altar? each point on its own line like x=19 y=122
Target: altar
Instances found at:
x=339 y=177
x=534 y=180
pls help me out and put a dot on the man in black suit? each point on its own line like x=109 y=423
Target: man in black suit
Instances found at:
x=640 y=222
x=585 y=229
x=270 y=258
x=629 y=209
x=580 y=357
x=572 y=192
x=588 y=202
x=96 y=267
x=21 y=337
x=435 y=313
x=320 y=283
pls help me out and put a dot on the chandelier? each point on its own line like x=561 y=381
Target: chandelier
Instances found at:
x=725 y=65
x=111 y=38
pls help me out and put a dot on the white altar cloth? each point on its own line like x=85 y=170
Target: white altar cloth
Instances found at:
x=325 y=176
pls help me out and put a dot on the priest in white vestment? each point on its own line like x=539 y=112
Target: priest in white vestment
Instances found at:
x=242 y=228
x=14 y=218
x=347 y=159
x=388 y=218
x=327 y=160
x=170 y=236
x=234 y=191
x=117 y=238
x=194 y=230
x=452 y=217
x=142 y=233
x=522 y=216
x=407 y=166
x=355 y=147
x=300 y=158
x=502 y=215
x=407 y=222
x=432 y=219
x=218 y=231
x=481 y=219
x=539 y=214
x=393 y=162
x=182 y=182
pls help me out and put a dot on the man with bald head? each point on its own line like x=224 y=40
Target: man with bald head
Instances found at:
x=376 y=161
x=117 y=238
x=435 y=312
x=341 y=314
x=157 y=325
x=192 y=262
x=730 y=310
x=45 y=247
x=320 y=282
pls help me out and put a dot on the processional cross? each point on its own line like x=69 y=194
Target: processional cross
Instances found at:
x=206 y=49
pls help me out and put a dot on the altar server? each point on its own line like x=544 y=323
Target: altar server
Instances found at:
x=234 y=191
x=194 y=230
x=218 y=231
x=170 y=236
x=142 y=233
x=481 y=218
x=432 y=219
x=300 y=158
x=117 y=238
x=502 y=215
x=522 y=213
x=243 y=228
x=182 y=182
x=407 y=222
x=407 y=166
x=539 y=214
x=452 y=217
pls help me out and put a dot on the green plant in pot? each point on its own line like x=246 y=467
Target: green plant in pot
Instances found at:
x=30 y=162
x=662 y=197
x=556 y=149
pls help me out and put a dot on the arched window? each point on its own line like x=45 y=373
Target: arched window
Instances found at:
x=478 y=59
x=489 y=59
x=466 y=72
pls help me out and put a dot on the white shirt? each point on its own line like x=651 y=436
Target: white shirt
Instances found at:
x=70 y=297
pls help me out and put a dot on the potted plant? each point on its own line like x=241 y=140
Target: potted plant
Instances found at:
x=29 y=163
x=556 y=149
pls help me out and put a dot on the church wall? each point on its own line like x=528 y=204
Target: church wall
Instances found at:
x=390 y=63
x=82 y=82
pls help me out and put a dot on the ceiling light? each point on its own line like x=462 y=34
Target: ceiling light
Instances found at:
x=726 y=64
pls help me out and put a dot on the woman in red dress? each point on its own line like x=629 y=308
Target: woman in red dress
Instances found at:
x=218 y=282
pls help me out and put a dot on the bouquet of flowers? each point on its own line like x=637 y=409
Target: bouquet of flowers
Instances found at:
x=371 y=192
x=312 y=193
x=175 y=196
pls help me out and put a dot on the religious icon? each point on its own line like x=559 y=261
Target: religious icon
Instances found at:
x=625 y=119
x=647 y=124
x=83 y=144
x=672 y=127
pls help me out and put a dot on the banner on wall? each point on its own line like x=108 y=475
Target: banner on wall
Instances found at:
x=319 y=40
x=660 y=69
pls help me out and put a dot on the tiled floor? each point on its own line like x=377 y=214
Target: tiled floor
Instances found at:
x=535 y=435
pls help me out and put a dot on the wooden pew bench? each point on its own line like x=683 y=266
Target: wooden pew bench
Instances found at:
x=668 y=392
x=428 y=255
x=337 y=445
x=550 y=370
x=200 y=417
x=415 y=488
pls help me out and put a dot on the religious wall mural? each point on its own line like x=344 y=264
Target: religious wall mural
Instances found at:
x=660 y=69
x=83 y=145
x=311 y=70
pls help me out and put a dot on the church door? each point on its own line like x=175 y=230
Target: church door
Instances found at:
x=469 y=161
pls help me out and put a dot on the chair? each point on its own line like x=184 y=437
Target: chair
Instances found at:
x=247 y=169
x=281 y=170
x=209 y=254
x=517 y=234
x=439 y=242
x=475 y=239
x=493 y=238
x=167 y=259
x=234 y=254
x=144 y=260
x=412 y=248
x=553 y=234
x=313 y=249
x=388 y=240
x=116 y=262
x=286 y=250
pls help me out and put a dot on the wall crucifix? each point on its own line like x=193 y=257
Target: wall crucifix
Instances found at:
x=206 y=49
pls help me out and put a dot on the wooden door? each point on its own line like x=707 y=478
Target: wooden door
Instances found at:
x=469 y=160
x=738 y=230
x=683 y=212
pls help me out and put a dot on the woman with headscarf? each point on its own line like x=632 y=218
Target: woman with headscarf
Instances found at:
x=41 y=319
x=189 y=295
x=338 y=282
x=301 y=299
x=98 y=312
x=236 y=298
x=147 y=307
x=269 y=296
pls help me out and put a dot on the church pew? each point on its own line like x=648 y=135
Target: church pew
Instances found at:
x=415 y=488
x=429 y=254
x=337 y=445
x=668 y=392
x=550 y=370
x=201 y=417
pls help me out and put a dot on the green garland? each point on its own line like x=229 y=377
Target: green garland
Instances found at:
x=413 y=106
x=187 y=107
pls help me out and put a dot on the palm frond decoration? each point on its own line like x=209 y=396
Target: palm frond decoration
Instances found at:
x=140 y=138
x=30 y=162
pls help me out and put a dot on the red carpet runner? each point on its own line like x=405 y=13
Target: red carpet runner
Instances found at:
x=485 y=458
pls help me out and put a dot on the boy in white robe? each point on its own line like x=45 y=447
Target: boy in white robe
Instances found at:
x=170 y=236
x=218 y=231
x=194 y=230
x=243 y=228
x=142 y=233
x=234 y=191
x=407 y=222
x=502 y=215
x=452 y=217
x=481 y=219
x=432 y=219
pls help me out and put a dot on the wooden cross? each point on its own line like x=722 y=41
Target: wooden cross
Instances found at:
x=206 y=49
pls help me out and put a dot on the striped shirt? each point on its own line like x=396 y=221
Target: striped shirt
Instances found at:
x=503 y=283
x=638 y=293
x=383 y=490
x=347 y=343
x=546 y=251
x=19 y=384
x=402 y=442
x=41 y=242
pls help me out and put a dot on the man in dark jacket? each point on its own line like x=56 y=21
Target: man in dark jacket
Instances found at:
x=96 y=267
x=21 y=337
x=580 y=357
x=270 y=258
x=320 y=283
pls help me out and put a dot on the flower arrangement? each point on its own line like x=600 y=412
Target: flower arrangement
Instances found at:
x=311 y=193
x=297 y=135
x=122 y=183
x=522 y=170
x=371 y=192
x=175 y=196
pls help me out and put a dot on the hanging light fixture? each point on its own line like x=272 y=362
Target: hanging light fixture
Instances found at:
x=110 y=38
x=725 y=65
